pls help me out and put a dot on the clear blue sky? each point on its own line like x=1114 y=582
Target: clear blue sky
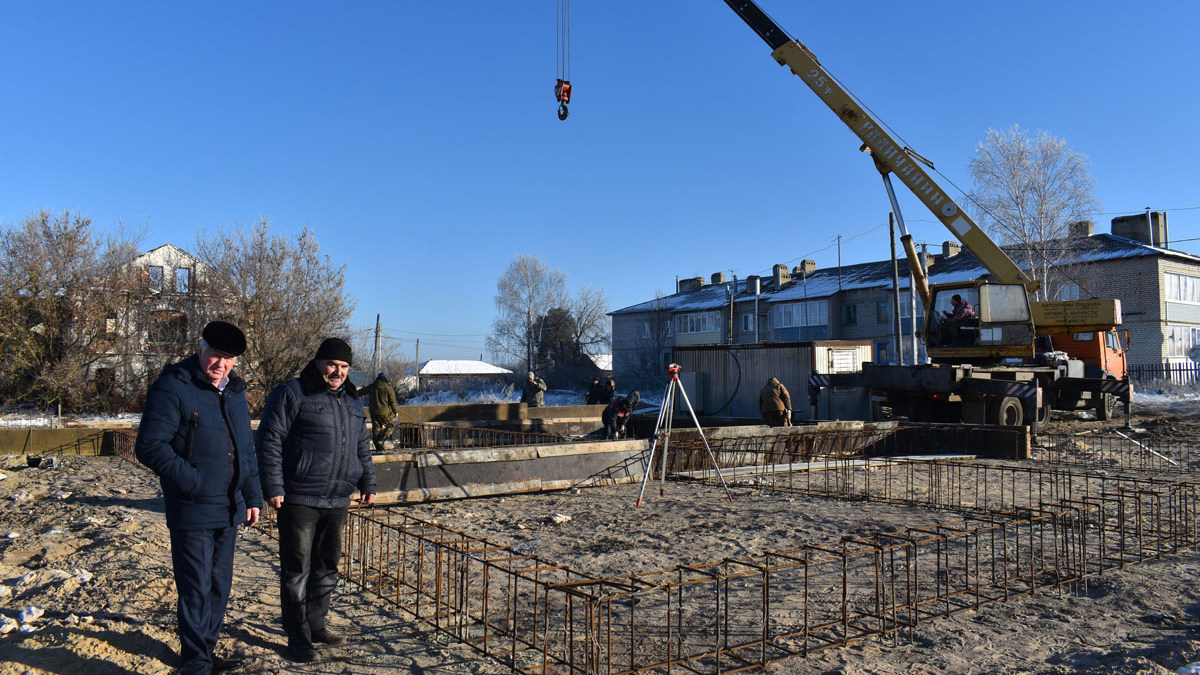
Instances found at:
x=419 y=141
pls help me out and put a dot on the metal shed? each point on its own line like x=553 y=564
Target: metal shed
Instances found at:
x=724 y=380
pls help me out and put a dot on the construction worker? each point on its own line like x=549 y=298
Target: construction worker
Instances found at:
x=383 y=410
x=775 y=404
x=532 y=393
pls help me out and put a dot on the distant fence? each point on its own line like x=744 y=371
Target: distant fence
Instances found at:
x=1176 y=373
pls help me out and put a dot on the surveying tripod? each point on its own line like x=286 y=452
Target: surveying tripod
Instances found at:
x=662 y=431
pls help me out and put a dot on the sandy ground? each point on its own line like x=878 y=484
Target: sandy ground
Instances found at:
x=85 y=543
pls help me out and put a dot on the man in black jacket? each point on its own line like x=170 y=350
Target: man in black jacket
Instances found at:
x=195 y=434
x=314 y=451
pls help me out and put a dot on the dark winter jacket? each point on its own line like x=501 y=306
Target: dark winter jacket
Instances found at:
x=774 y=397
x=383 y=400
x=313 y=444
x=198 y=440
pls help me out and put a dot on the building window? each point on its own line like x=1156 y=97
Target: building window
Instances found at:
x=1069 y=291
x=849 y=314
x=1182 y=288
x=1181 y=339
x=882 y=350
x=168 y=327
x=644 y=329
x=883 y=311
x=110 y=325
x=183 y=280
x=697 y=322
x=802 y=314
x=156 y=278
x=748 y=323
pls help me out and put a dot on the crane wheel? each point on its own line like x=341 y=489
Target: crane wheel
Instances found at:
x=1008 y=412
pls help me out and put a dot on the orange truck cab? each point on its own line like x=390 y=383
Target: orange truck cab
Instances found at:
x=1102 y=353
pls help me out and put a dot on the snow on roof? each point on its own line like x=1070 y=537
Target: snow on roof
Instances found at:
x=827 y=282
x=460 y=367
x=601 y=361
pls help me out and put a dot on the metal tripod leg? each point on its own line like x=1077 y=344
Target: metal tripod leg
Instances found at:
x=711 y=457
x=663 y=417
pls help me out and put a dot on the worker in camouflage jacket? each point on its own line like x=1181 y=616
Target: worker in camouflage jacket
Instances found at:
x=383 y=408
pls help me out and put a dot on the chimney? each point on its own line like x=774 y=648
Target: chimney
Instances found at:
x=950 y=249
x=1080 y=229
x=1149 y=228
x=718 y=278
x=805 y=268
x=693 y=284
x=781 y=274
x=753 y=284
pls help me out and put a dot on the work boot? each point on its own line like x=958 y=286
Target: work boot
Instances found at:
x=388 y=445
x=300 y=653
x=325 y=636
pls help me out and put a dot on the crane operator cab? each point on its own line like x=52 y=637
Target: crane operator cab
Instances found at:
x=978 y=322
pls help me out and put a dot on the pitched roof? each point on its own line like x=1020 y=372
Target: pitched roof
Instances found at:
x=827 y=282
x=458 y=367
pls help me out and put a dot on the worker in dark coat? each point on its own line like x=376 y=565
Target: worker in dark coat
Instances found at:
x=314 y=452
x=383 y=409
x=532 y=394
x=608 y=391
x=615 y=417
x=593 y=393
x=195 y=435
x=775 y=404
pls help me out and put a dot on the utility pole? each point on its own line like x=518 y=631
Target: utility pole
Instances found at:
x=417 y=370
x=895 y=291
x=376 y=357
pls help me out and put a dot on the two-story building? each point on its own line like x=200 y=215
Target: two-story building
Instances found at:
x=1159 y=289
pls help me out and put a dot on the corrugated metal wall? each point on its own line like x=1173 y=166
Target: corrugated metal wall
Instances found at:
x=724 y=380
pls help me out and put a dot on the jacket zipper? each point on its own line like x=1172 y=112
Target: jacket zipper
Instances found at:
x=191 y=439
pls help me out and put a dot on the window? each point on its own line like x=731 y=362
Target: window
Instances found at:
x=801 y=314
x=168 y=327
x=1181 y=339
x=110 y=325
x=849 y=314
x=697 y=322
x=183 y=279
x=1182 y=288
x=883 y=311
x=644 y=329
x=1067 y=292
x=748 y=323
x=156 y=278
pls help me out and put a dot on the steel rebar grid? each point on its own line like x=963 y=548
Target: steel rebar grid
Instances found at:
x=1116 y=450
x=417 y=435
x=742 y=614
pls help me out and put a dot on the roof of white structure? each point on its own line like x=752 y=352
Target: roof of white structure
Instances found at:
x=460 y=367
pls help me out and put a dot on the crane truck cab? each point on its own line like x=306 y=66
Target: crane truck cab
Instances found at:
x=995 y=327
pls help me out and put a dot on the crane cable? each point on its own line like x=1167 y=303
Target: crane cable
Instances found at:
x=562 y=87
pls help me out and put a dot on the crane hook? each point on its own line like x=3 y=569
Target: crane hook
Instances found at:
x=562 y=93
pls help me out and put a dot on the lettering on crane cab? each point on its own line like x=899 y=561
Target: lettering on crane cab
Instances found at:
x=882 y=147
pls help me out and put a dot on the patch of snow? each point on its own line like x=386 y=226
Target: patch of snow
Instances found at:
x=30 y=613
x=7 y=625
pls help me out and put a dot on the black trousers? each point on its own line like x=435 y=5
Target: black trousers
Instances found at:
x=202 y=561
x=310 y=543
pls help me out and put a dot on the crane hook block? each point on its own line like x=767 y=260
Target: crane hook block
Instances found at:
x=562 y=91
x=562 y=111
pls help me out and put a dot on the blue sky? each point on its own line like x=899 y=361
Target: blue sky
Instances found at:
x=419 y=141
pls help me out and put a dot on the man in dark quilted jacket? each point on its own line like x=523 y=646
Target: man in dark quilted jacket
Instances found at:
x=195 y=434
x=314 y=452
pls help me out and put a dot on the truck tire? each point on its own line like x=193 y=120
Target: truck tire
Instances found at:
x=1105 y=407
x=1007 y=412
x=1043 y=414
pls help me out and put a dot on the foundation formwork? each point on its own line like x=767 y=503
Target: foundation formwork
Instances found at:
x=1024 y=529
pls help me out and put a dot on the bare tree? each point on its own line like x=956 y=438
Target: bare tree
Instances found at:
x=61 y=284
x=286 y=293
x=525 y=294
x=593 y=334
x=1028 y=189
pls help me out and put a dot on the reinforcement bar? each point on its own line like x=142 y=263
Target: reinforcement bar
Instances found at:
x=743 y=614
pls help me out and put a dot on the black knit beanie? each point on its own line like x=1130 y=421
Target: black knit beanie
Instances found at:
x=335 y=349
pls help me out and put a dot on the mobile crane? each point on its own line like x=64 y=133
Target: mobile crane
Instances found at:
x=986 y=369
